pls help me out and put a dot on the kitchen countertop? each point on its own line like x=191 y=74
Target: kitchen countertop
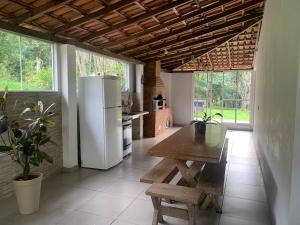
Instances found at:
x=133 y=115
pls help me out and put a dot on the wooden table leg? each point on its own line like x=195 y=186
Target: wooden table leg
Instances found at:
x=184 y=170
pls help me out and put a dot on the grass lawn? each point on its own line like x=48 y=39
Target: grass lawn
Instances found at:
x=16 y=85
x=229 y=114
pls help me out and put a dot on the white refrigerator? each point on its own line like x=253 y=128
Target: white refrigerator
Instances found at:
x=100 y=116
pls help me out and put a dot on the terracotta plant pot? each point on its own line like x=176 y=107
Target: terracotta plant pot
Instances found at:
x=28 y=193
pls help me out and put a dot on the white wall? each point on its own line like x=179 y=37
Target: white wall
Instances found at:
x=180 y=93
x=166 y=78
x=275 y=102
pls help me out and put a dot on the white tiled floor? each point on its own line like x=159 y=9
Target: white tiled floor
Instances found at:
x=92 y=197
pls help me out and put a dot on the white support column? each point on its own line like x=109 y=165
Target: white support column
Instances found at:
x=69 y=106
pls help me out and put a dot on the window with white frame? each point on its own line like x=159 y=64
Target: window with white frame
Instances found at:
x=228 y=93
x=25 y=63
x=89 y=64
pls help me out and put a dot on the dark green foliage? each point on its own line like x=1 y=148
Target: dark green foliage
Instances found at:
x=207 y=118
x=27 y=135
x=25 y=63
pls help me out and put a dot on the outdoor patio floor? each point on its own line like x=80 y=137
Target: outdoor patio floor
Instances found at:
x=93 y=197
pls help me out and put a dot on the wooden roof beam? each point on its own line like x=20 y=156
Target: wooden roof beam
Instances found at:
x=205 y=49
x=210 y=61
x=196 y=24
x=168 y=23
x=36 y=12
x=18 y=3
x=154 y=57
x=229 y=54
x=195 y=43
x=228 y=40
x=151 y=13
x=197 y=34
x=92 y=16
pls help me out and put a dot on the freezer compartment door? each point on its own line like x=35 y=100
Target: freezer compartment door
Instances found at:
x=113 y=136
x=111 y=92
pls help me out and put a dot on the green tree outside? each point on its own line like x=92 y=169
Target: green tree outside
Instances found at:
x=25 y=63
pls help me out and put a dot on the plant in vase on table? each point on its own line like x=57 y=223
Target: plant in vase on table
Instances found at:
x=23 y=140
x=201 y=125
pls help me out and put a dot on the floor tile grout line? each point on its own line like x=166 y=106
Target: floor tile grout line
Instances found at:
x=131 y=203
x=225 y=182
x=246 y=199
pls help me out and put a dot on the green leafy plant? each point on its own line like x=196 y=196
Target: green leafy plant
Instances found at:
x=24 y=138
x=206 y=118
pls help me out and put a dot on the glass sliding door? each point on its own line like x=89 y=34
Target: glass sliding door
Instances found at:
x=228 y=93
x=201 y=94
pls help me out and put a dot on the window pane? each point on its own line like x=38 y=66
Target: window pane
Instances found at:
x=229 y=111
x=230 y=86
x=88 y=64
x=200 y=95
x=243 y=85
x=200 y=106
x=243 y=111
x=216 y=93
x=36 y=65
x=9 y=61
x=216 y=108
x=25 y=63
x=217 y=83
x=83 y=64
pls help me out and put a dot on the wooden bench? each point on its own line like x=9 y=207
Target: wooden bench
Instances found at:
x=186 y=195
x=212 y=180
x=163 y=172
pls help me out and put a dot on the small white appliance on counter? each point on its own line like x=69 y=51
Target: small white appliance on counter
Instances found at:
x=100 y=116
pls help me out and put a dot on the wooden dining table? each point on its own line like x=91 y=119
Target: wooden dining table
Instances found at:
x=187 y=145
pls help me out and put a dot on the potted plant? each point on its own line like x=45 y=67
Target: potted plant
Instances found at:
x=23 y=140
x=201 y=125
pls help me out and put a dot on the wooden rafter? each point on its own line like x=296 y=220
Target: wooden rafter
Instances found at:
x=199 y=44
x=195 y=25
x=146 y=30
x=206 y=49
x=229 y=54
x=198 y=34
x=210 y=61
x=35 y=12
x=223 y=42
x=146 y=15
x=171 y=22
x=196 y=42
x=18 y=3
x=92 y=16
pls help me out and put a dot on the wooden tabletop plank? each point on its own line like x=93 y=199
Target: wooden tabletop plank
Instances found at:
x=186 y=145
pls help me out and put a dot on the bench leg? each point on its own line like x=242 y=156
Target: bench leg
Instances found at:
x=157 y=217
x=206 y=202
x=216 y=204
x=192 y=214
